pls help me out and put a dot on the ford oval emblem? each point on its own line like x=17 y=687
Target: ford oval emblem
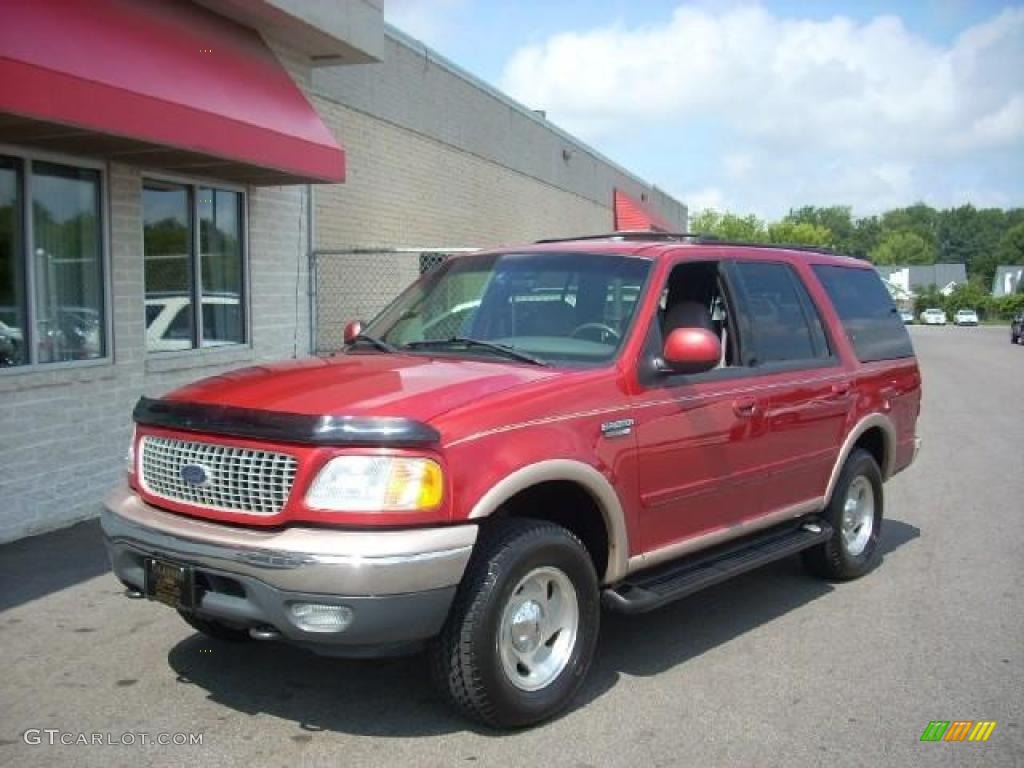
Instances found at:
x=195 y=474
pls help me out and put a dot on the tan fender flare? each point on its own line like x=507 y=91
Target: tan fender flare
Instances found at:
x=584 y=475
x=870 y=421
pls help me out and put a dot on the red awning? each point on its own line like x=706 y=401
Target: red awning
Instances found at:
x=158 y=83
x=633 y=215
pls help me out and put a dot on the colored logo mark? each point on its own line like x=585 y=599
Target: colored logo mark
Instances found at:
x=958 y=730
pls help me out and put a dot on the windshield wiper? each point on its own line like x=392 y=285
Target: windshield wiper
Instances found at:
x=502 y=349
x=380 y=344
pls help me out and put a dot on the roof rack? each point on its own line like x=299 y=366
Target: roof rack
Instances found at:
x=630 y=234
x=693 y=237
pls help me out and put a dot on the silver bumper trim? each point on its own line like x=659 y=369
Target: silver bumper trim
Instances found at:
x=312 y=560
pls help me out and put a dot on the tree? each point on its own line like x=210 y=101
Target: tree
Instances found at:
x=837 y=219
x=971 y=236
x=729 y=226
x=1011 y=246
x=788 y=232
x=903 y=247
x=867 y=234
x=919 y=218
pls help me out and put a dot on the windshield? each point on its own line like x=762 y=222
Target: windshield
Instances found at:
x=562 y=308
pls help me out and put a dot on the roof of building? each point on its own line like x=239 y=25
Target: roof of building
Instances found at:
x=923 y=275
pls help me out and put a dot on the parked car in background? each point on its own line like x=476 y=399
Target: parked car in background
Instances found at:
x=965 y=317
x=10 y=345
x=933 y=317
x=524 y=437
x=1017 y=329
x=906 y=316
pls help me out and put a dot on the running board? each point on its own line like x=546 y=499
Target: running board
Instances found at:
x=647 y=590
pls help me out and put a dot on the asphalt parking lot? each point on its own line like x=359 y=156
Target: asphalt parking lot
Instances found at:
x=774 y=668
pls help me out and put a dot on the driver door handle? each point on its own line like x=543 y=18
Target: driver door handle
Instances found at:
x=744 y=407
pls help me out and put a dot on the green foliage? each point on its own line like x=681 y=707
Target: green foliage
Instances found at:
x=837 y=219
x=799 y=233
x=919 y=218
x=970 y=295
x=729 y=226
x=1011 y=246
x=903 y=247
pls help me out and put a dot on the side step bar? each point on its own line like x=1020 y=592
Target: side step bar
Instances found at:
x=647 y=590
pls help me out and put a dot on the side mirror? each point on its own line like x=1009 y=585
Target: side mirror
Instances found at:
x=691 y=350
x=352 y=329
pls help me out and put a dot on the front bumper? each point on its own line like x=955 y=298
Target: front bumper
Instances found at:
x=399 y=585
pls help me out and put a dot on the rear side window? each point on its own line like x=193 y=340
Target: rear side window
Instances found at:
x=781 y=322
x=867 y=312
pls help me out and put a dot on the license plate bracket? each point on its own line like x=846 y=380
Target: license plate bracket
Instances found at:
x=170 y=583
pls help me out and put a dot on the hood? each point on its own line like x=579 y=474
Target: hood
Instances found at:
x=371 y=384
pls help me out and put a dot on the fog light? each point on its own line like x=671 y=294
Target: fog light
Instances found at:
x=315 y=617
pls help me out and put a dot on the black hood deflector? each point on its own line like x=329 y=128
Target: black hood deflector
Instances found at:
x=306 y=429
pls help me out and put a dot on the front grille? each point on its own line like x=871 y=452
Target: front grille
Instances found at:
x=237 y=479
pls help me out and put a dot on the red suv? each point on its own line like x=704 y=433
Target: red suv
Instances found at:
x=524 y=436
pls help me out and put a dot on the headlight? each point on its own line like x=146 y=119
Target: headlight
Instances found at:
x=376 y=484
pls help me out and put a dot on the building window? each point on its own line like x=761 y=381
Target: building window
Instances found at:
x=52 y=293
x=189 y=266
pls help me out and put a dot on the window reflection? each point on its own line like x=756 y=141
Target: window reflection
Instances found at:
x=12 y=271
x=172 y=265
x=68 y=263
x=220 y=248
x=167 y=248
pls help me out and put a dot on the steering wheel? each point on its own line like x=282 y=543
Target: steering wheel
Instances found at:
x=606 y=330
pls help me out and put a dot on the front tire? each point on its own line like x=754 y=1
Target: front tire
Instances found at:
x=855 y=514
x=522 y=631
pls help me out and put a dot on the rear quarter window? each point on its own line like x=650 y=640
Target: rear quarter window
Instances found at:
x=867 y=312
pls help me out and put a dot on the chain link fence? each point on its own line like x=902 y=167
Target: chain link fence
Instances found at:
x=357 y=283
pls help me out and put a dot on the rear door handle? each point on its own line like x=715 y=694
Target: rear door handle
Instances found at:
x=744 y=407
x=841 y=389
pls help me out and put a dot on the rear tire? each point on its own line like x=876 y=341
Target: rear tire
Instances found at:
x=214 y=629
x=522 y=631
x=855 y=514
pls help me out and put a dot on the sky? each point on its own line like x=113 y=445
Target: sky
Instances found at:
x=759 y=107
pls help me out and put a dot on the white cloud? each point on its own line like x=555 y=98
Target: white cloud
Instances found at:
x=705 y=199
x=870 y=103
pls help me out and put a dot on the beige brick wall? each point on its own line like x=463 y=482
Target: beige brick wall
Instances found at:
x=418 y=89
x=406 y=189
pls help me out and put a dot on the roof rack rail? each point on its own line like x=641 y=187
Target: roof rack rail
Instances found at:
x=628 y=234
x=697 y=238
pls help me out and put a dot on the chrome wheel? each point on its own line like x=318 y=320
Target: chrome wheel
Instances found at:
x=858 y=515
x=538 y=628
